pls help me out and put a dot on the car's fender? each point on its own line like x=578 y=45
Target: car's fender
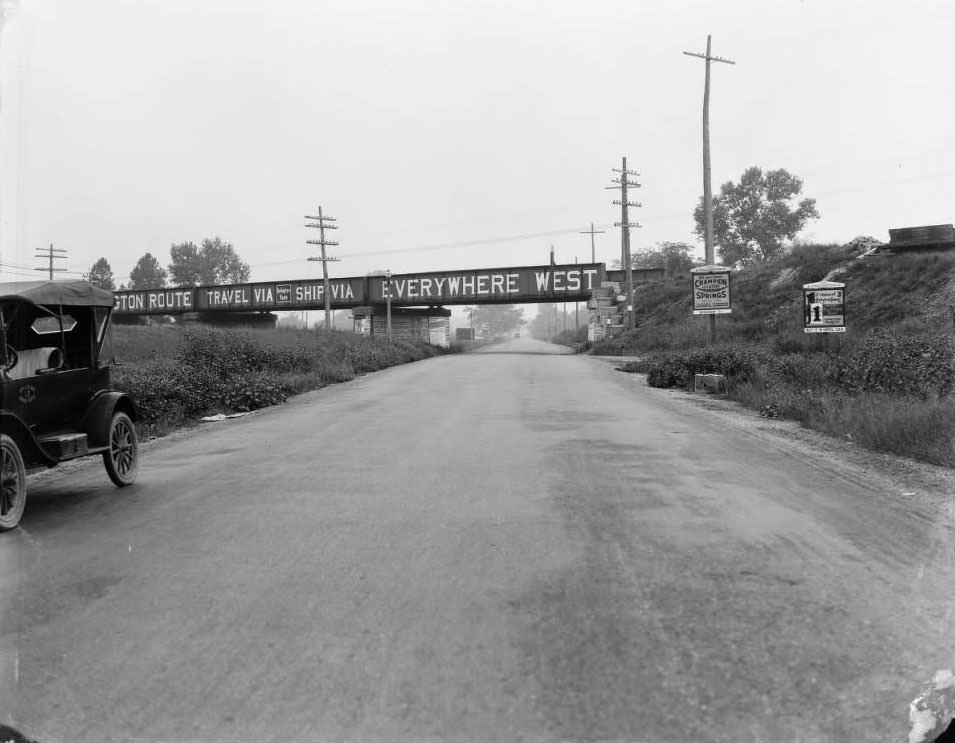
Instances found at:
x=100 y=412
x=30 y=449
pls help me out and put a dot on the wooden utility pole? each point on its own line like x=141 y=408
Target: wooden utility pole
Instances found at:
x=51 y=253
x=707 y=188
x=625 y=226
x=322 y=223
x=593 y=248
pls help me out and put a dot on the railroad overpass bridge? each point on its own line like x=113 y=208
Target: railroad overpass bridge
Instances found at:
x=417 y=300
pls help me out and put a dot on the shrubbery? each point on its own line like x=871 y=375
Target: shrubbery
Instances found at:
x=237 y=371
x=890 y=391
x=888 y=383
x=905 y=364
x=677 y=369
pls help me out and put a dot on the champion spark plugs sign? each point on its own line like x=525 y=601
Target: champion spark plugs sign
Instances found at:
x=711 y=290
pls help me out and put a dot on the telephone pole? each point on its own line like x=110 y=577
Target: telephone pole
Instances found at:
x=593 y=249
x=53 y=254
x=625 y=226
x=322 y=223
x=707 y=188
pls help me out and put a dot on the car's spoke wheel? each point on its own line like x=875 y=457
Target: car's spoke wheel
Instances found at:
x=121 y=459
x=13 y=483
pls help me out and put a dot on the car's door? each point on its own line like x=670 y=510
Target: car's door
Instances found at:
x=51 y=401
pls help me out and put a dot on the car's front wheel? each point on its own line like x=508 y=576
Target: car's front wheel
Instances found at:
x=13 y=483
x=121 y=458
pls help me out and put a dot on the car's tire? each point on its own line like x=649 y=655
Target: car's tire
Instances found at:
x=13 y=483
x=122 y=457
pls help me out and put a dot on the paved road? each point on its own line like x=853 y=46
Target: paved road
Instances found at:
x=513 y=545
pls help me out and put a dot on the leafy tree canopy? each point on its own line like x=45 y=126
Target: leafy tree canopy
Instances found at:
x=496 y=319
x=751 y=219
x=216 y=262
x=675 y=257
x=101 y=275
x=147 y=274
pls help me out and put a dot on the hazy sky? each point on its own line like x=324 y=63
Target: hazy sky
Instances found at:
x=448 y=134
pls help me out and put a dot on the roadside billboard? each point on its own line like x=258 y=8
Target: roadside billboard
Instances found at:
x=560 y=283
x=824 y=307
x=263 y=296
x=711 y=290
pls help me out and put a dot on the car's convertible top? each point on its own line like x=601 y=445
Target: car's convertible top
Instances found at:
x=67 y=293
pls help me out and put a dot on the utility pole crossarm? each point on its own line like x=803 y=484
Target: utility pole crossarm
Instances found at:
x=51 y=254
x=709 y=58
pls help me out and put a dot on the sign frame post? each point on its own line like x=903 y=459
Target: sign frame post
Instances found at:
x=712 y=293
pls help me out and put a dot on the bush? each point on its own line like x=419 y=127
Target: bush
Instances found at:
x=741 y=363
x=253 y=390
x=201 y=370
x=905 y=364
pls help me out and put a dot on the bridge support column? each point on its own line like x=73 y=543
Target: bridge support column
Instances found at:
x=428 y=324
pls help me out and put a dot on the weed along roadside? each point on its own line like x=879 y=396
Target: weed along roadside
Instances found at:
x=178 y=376
x=885 y=382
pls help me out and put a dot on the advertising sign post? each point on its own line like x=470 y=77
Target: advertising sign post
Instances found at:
x=824 y=307
x=711 y=290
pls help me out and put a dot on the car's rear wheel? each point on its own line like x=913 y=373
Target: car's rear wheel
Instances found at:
x=121 y=459
x=13 y=483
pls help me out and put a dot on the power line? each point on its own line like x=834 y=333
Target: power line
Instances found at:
x=31 y=269
x=449 y=246
x=472 y=243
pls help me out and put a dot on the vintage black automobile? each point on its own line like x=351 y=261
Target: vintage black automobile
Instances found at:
x=55 y=397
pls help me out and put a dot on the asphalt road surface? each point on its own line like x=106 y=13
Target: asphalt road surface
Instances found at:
x=511 y=545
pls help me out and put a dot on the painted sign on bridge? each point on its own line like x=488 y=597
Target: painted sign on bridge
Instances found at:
x=563 y=283
x=508 y=285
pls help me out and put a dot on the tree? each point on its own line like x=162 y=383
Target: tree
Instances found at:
x=751 y=219
x=101 y=275
x=216 y=262
x=496 y=319
x=673 y=256
x=552 y=319
x=147 y=274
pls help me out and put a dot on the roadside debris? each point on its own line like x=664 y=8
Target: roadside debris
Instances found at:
x=933 y=710
x=221 y=417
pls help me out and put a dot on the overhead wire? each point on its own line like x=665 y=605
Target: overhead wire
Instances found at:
x=446 y=246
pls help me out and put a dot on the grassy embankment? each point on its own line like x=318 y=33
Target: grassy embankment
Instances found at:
x=176 y=375
x=888 y=383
